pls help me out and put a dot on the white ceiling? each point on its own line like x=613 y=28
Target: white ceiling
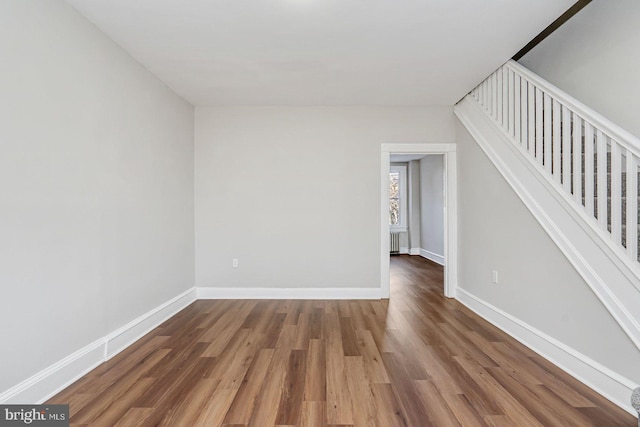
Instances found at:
x=321 y=52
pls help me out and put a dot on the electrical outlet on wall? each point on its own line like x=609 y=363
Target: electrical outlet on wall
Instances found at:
x=234 y=262
x=494 y=276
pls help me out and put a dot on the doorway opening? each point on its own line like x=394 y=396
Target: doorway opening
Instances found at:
x=401 y=162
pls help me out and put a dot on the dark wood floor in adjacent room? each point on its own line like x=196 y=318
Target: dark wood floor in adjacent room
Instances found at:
x=418 y=359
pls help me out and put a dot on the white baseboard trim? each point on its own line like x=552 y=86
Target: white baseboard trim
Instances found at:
x=123 y=337
x=414 y=251
x=404 y=250
x=438 y=259
x=50 y=381
x=287 y=293
x=56 y=377
x=603 y=380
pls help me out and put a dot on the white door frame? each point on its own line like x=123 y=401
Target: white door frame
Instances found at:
x=450 y=211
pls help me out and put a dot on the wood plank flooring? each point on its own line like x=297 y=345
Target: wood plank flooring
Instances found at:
x=417 y=359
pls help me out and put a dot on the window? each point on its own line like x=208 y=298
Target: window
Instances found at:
x=398 y=198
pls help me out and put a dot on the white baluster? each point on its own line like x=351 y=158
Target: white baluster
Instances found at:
x=601 y=144
x=494 y=95
x=484 y=95
x=499 y=99
x=576 y=141
x=488 y=81
x=557 y=140
x=511 y=101
x=566 y=149
x=516 y=106
x=632 y=206
x=547 y=133
x=531 y=113
x=539 y=126
x=588 y=169
x=616 y=192
x=524 y=132
x=489 y=106
x=505 y=98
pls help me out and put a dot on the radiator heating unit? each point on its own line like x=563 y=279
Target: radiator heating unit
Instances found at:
x=395 y=243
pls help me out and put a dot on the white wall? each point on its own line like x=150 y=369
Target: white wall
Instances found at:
x=96 y=190
x=537 y=284
x=413 y=205
x=432 y=204
x=594 y=57
x=294 y=193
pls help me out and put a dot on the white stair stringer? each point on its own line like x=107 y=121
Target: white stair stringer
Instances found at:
x=612 y=279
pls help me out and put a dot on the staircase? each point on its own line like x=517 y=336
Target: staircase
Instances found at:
x=576 y=171
x=568 y=141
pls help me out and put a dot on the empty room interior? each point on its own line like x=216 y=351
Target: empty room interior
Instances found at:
x=320 y=212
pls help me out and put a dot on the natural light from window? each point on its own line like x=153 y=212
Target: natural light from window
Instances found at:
x=398 y=198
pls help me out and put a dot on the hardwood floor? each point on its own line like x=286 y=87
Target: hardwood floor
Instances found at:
x=418 y=359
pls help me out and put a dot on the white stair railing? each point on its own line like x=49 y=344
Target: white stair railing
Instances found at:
x=589 y=159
